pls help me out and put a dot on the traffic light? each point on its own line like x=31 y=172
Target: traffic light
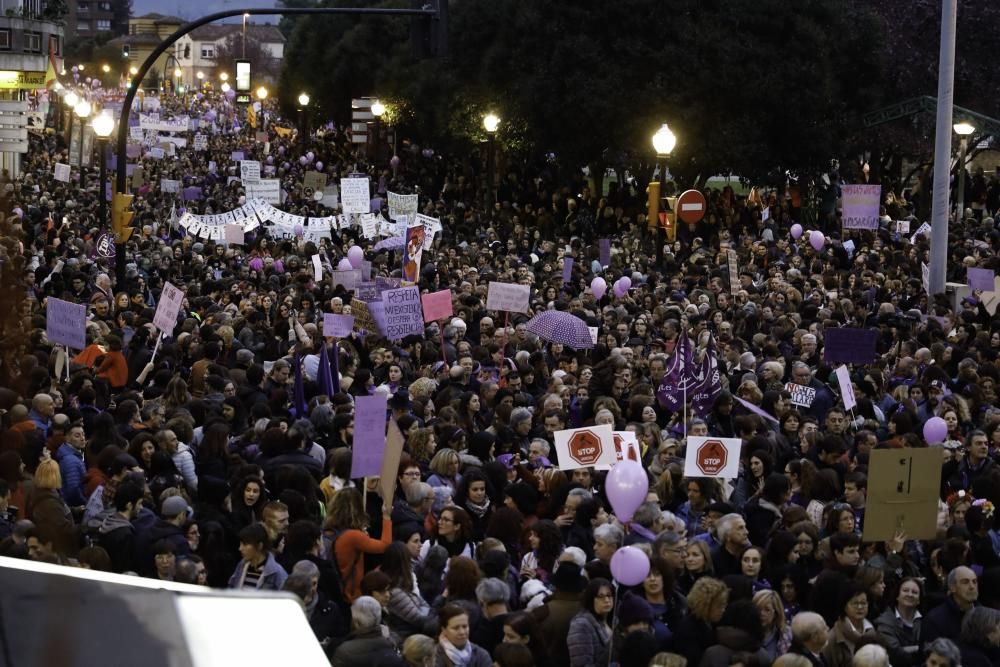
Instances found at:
x=429 y=34
x=126 y=49
x=121 y=216
x=653 y=205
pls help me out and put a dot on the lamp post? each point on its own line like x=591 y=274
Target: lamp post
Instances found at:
x=303 y=103
x=82 y=110
x=103 y=126
x=663 y=143
x=963 y=130
x=245 y=17
x=490 y=123
x=378 y=110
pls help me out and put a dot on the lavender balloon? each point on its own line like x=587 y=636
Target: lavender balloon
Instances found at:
x=355 y=255
x=935 y=430
x=303 y=160
x=270 y=159
x=319 y=166
x=626 y=282
x=310 y=156
x=599 y=287
x=298 y=230
x=281 y=150
x=629 y=566
x=796 y=231
x=344 y=265
x=817 y=240
x=394 y=162
x=619 y=288
x=626 y=486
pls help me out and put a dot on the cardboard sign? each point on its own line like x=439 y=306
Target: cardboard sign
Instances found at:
x=136 y=133
x=200 y=142
x=924 y=229
x=402 y=206
x=314 y=180
x=369 y=436
x=846 y=389
x=508 y=296
x=390 y=461
x=66 y=323
x=593 y=334
x=354 y=193
x=437 y=305
x=734 y=272
x=169 y=186
x=233 y=234
x=567 y=269
x=366 y=291
x=349 y=279
x=861 y=206
x=165 y=318
x=268 y=189
x=626 y=448
x=367 y=315
x=712 y=457
x=249 y=171
x=587 y=447
x=849 y=345
x=902 y=226
x=802 y=395
x=62 y=172
x=403 y=316
x=337 y=326
x=237 y=156
x=903 y=492
x=980 y=279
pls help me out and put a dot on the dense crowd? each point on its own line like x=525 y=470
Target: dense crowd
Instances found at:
x=216 y=461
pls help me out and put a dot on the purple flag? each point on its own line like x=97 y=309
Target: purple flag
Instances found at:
x=191 y=193
x=324 y=375
x=605 y=247
x=567 y=269
x=299 y=392
x=369 y=435
x=710 y=386
x=670 y=394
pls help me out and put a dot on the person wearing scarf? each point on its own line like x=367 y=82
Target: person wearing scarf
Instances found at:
x=454 y=648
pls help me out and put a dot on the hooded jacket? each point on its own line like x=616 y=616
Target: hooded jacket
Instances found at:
x=116 y=535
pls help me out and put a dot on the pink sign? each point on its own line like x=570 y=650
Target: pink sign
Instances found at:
x=437 y=305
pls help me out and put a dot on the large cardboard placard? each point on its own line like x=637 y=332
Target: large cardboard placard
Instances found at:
x=369 y=435
x=903 y=490
x=66 y=323
x=165 y=318
x=861 y=206
x=508 y=296
x=403 y=313
x=354 y=193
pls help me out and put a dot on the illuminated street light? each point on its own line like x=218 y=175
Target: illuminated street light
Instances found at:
x=262 y=93
x=177 y=72
x=106 y=68
x=224 y=77
x=664 y=140
x=103 y=125
x=224 y=87
x=378 y=109
x=304 y=99
x=83 y=108
x=133 y=70
x=200 y=75
x=491 y=122
x=71 y=99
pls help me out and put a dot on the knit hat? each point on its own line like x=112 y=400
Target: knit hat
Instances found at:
x=634 y=609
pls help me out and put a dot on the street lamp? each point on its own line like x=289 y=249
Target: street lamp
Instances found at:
x=103 y=126
x=262 y=93
x=378 y=110
x=304 y=100
x=71 y=99
x=664 y=141
x=245 y=17
x=963 y=130
x=82 y=110
x=105 y=68
x=303 y=103
x=490 y=123
x=133 y=70
x=224 y=87
x=224 y=77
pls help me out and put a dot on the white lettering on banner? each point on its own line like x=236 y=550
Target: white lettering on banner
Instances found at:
x=355 y=195
x=179 y=124
x=508 y=296
x=802 y=395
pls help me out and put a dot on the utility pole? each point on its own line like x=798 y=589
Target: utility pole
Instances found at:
x=942 y=151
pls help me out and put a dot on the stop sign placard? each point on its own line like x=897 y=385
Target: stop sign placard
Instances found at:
x=711 y=457
x=585 y=447
x=691 y=206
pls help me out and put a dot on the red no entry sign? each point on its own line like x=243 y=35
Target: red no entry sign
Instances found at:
x=691 y=206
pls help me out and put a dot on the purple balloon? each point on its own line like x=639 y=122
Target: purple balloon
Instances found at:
x=310 y=156
x=626 y=282
x=935 y=430
x=629 y=566
x=619 y=288
x=281 y=150
x=355 y=255
x=319 y=166
x=270 y=159
x=599 y=287
x=19 y=212
x=626 y=486
x=303 y=160
x=297 y=230
x=344 y=265
x=796 y=231
x=394 y=162
x=817 y=240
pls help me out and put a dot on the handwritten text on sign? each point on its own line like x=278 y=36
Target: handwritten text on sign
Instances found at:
x=403 y=316
x=66 y=323
x=861 y=206
x=801 y=395
x=165 y=318
x=508 y=296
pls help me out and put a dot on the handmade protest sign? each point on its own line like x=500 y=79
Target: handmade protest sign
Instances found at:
x=980 y=279
x=200 y=142
x=802 y=395
x=390 y=461
x=234 y=234
x=712 y=457
x=61 y=172
x=605 y=251
x=508 y=296
x=354 y=193
x=734 y=272
x=849 y=345
x=861 y=206
x=337 y=326
x=437 y=305
x=403 y=315
x=903 y=489
x=369 y=435
x=567 y=269
x=402 y=205
x=237 y=156
x=349 y=279
x=314 y=180
x=586 y=447
x=165 y=318
x=626 y=448
x=846 y=389
x=66 y=323
x=249 y=171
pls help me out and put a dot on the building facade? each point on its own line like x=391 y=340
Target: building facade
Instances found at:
x=197 y=51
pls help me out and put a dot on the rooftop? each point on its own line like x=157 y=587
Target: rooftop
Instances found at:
x=213 y=33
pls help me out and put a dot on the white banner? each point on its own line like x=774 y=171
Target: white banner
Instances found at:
x=511 y=297
x=268 y=189
x=354 y=193
x=179 y=124
x=249 y=171
x=165 y=318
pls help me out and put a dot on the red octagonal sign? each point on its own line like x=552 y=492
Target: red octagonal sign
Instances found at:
x=585 y=447
x=711 y=457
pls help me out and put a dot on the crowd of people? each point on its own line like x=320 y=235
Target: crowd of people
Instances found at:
x=208 y=457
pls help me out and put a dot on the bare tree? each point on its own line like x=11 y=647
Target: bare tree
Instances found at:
x=262 y=65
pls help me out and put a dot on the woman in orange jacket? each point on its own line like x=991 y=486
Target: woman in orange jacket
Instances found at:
x=346 y=527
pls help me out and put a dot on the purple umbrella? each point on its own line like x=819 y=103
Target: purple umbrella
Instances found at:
x=391 y=243
x=558 y=326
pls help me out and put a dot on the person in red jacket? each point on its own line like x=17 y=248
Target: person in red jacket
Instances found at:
x=113 y=367
x=347 y=521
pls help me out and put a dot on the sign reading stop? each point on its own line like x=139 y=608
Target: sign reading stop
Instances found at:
x=711 y=457
x=691 y=206
x=585 y=447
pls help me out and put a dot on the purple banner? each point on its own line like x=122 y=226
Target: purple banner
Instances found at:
x=369 y=435
x=567 y=269
x=847 y=345
x=981 y=279
x=192 y=193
